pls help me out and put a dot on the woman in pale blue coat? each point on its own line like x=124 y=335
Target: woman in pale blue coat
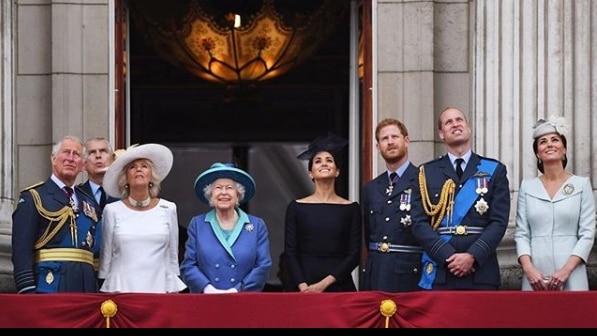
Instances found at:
x=227 y=250
x=555 y=217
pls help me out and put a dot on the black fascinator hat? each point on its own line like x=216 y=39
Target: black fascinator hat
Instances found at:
x=329 y=143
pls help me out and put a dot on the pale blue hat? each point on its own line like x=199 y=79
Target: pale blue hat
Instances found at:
x=224 y=170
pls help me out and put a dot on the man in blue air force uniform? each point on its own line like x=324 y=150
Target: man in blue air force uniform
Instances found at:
x=56 y=229
x=393 y=262
x=460 y=221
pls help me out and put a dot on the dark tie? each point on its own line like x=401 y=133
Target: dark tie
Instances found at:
x=393 y=178
x=102 y=197
x=69 y=191
x=459 y=162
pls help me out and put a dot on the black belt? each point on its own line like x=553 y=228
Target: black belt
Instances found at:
x=460 y=230
x=387 y=248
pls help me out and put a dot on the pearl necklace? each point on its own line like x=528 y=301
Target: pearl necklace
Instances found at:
x=139 y=204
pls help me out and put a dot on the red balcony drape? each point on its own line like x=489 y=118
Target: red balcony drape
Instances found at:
x=458 y=309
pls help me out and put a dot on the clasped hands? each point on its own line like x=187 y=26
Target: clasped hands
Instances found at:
x=209 y=289
x=461 y=264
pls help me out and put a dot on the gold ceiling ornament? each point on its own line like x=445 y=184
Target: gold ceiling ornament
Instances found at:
x=235 y=41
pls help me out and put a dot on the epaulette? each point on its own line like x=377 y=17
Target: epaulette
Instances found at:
x=33 y=186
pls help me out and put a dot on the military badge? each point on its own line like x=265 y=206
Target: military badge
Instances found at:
x=49 y=277
x=389 y=190
x=89 y=211
x=406 y=221
x=481 y=206
x=249 y=227
x=429 y=268
x=89 y=239
x=568 y=189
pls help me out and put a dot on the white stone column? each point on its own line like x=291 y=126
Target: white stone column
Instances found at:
x=532 y=59
x=6 y=144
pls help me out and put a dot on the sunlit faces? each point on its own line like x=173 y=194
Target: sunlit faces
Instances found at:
x=454 y=128
x=324 y=166
x=139 y=172
x=224 y=193
x=68 y=161
x=392 y=145
x=550 y=147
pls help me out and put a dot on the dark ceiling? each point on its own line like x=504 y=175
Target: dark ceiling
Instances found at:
x=170 y=105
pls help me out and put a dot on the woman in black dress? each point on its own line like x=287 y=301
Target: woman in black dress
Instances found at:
x=323 y=230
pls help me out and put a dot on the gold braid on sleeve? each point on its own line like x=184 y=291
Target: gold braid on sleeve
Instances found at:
x=445 y=204
x=60 y=216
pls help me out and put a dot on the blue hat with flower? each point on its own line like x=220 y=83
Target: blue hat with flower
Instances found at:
x=224 y=170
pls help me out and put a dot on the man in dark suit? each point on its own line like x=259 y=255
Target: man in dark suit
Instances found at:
x=97 y=160
x=461 y=213
x=55 y=229
x=393 y=257
x=98 y=157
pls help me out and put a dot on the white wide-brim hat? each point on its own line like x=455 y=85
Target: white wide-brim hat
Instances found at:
x=224 y=170
x=160 y=155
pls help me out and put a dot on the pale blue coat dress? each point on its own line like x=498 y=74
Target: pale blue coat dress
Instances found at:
x=551 y=230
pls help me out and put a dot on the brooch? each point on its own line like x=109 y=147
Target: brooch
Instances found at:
x=406 y=221
x=568 y=189
x=249 y=227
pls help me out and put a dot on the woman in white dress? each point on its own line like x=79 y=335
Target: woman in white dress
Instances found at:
x=555 y=219
x=139 y=250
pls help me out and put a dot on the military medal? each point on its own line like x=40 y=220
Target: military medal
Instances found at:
x=405 y=200
x=481 y=206
x=89 y=211
x=568 y=189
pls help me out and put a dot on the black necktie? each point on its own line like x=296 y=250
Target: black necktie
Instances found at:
x=102 y=197
x=459 y=162
x=69 y=191
x=393 y=178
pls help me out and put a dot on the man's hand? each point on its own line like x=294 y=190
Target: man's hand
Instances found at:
x=461 y=264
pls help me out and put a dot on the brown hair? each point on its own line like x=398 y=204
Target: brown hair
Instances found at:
x=387 y=122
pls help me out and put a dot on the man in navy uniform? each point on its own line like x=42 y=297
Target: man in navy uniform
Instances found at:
x=55 y=229
x=393 y=258
x=461 y=213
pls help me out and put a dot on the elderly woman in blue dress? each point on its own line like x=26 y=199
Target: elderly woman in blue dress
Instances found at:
x=227 y=250
x=555 y=218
